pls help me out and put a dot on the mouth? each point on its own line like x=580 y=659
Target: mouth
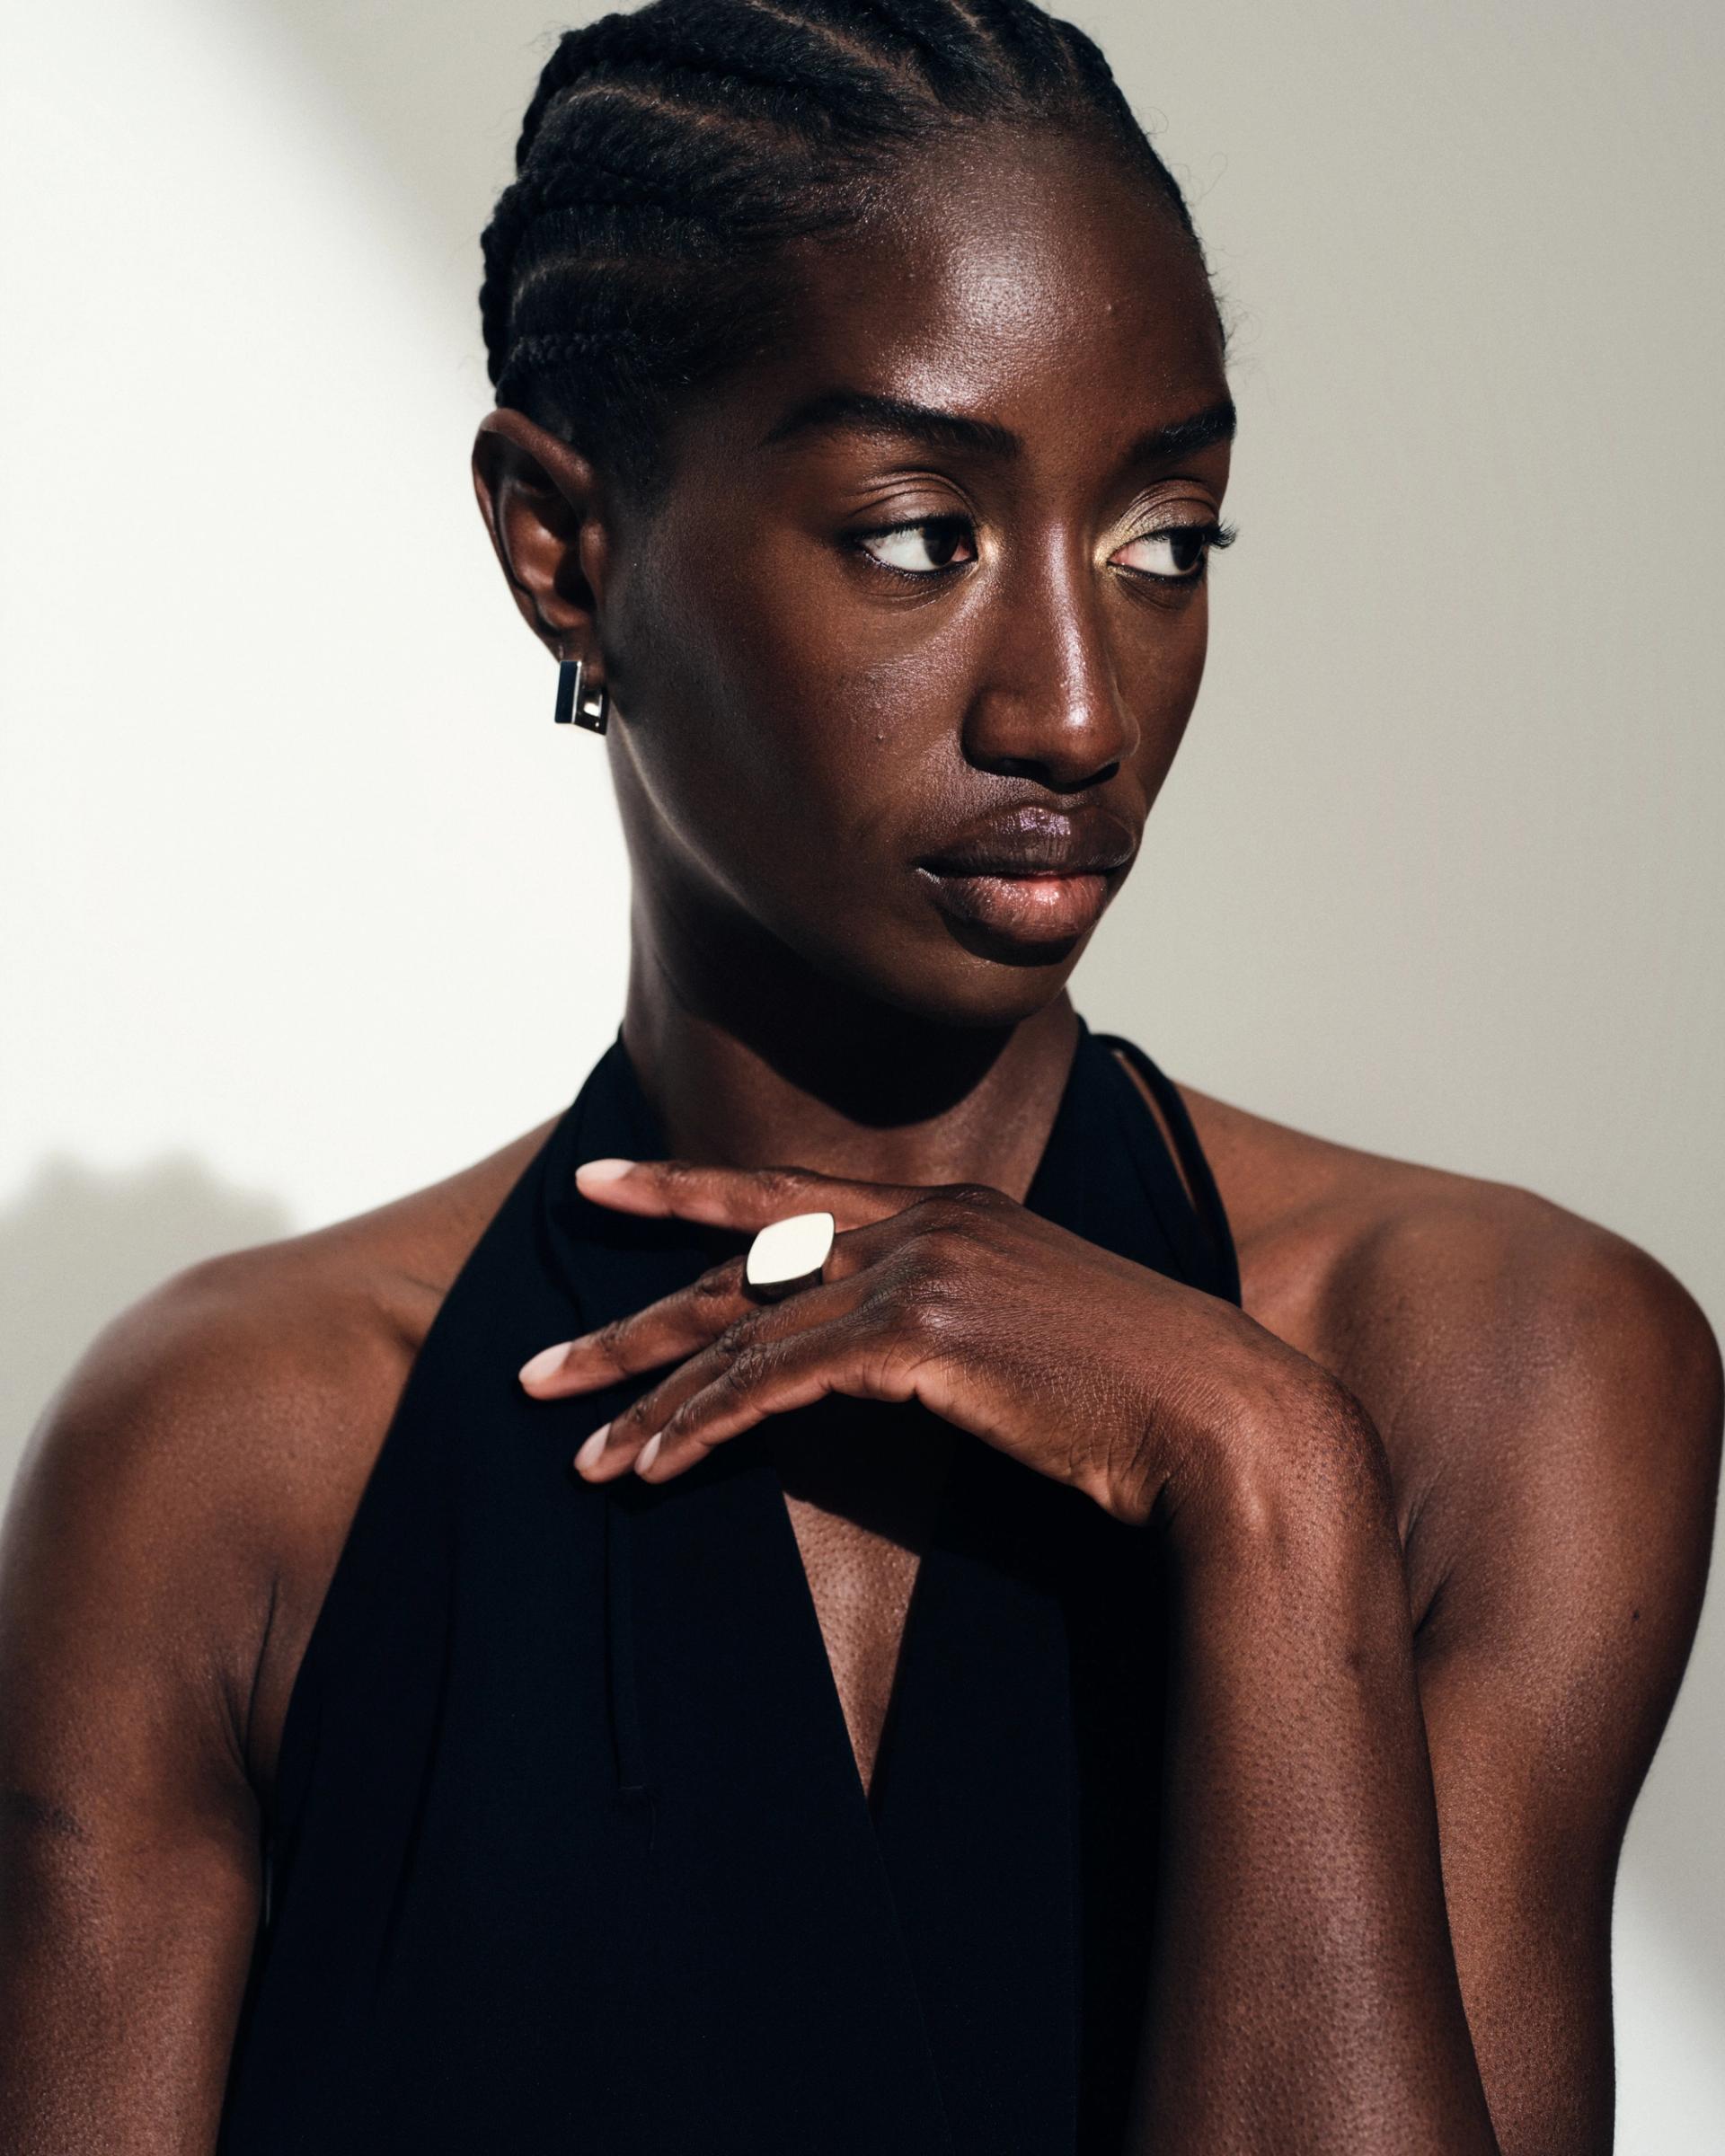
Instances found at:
x=1025 y=908
x=1034 y=876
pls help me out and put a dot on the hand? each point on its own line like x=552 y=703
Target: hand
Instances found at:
x=1086 y=1367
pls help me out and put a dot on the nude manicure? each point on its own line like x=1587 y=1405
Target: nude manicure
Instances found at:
x=606 y=1170
x=544 y=1363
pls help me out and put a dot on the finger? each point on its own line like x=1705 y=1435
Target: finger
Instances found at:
x=738 y=1198
x=760 y=1327
x=677 y=1324
x=850 y=1354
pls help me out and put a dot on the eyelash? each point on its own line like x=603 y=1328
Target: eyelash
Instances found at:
x=1213 y=532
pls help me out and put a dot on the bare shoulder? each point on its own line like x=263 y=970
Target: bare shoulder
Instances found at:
x=189 y=1489
x=1383 y=1268
x=1548 y=1392
x=177 y=1515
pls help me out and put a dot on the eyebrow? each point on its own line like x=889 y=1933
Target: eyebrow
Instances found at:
x=952 y=430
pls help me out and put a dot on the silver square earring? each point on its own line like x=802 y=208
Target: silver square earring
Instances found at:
x=589 y=711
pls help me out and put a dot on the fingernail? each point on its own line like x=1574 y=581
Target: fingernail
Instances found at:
x=602 y=1172
x=592 y=1448
x=543 y=1363
x=649 y=1452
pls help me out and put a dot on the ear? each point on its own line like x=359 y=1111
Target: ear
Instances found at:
x=542 y=502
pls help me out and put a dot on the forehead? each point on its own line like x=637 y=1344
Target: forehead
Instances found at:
x=1027 y=279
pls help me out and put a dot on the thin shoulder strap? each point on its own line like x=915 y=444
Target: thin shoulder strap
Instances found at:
x=1212 y=1217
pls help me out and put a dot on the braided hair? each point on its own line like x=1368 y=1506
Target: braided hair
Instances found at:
x=669 y=156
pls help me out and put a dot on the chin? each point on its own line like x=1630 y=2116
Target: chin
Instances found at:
x=970 y=990
x=936 y=971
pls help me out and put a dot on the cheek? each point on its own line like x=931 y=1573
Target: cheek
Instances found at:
x=766 y=711
x=767 y=748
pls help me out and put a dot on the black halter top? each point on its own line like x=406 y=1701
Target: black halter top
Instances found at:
x=569 y=1849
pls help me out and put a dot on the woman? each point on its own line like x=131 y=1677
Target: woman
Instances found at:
x=1148 y=1636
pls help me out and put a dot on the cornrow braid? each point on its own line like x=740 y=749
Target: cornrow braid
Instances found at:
x=669 y=156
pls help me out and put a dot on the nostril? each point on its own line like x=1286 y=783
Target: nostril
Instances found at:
x=1065 y=742
x=1059 y=776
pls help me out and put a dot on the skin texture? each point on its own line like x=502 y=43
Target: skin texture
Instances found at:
x=1440 y=1496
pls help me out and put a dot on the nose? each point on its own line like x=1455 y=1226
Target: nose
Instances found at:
x=1050 y=706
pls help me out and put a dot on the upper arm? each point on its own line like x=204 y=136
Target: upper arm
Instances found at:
x=1567 y=1421
x=134 y=1594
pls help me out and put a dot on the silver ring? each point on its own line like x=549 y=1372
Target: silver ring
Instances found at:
x=788 y=1254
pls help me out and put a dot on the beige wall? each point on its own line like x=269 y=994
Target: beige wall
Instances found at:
x=306 y=904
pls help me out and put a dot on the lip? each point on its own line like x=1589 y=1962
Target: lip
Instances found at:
x=1030 y=875
x=1020 y=908
x=1035 y=841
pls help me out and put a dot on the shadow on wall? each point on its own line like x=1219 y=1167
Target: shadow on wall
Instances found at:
x=78 y=1246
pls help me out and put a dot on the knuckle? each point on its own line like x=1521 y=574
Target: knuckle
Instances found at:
x=918 y=1268
x=630 y=1422
x=611 y=1337
x=968 y=1199
x=954 y=1212
x=722 y=1284
x=787 y=1185
x=745 y=1369
x=942 y=1242
x=679 y=1422
x=932 y=1317
x=739 y=1336
x=918 y=1305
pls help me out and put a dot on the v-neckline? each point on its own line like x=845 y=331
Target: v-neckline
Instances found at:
x=965 y=1915
x=1056 y=1192
x=565 y=1755
x=950 y=1503
x=917 y=1537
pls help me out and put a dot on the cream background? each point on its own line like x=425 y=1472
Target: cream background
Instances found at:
x=305 y=904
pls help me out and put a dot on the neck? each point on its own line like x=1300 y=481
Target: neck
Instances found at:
x=750 y=1058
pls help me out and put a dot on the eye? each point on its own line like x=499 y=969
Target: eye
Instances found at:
x=1177 y=552
x=921 y=548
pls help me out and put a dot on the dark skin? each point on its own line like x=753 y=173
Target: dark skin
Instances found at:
x=1438 y=1496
